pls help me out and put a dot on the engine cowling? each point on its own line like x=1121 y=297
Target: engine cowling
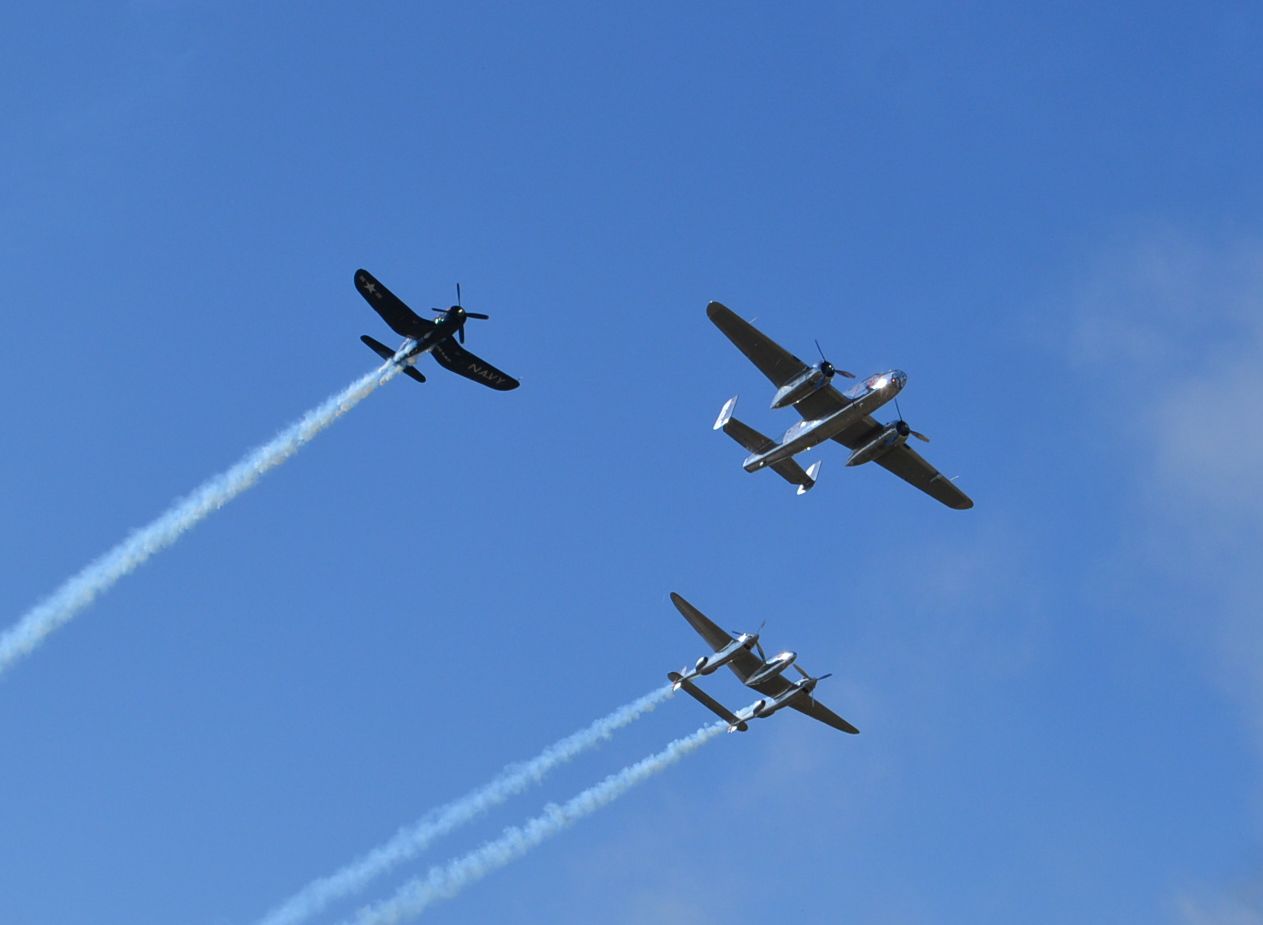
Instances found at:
x=701 y=663
x=889 y=438
x=813 y=380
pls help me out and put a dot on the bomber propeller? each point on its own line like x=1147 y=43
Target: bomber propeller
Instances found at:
x=828 y=368
x=902 y=428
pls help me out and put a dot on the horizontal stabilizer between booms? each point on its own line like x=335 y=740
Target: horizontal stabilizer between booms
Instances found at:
x=743 y=433
x=706 y=700
x=759 y=444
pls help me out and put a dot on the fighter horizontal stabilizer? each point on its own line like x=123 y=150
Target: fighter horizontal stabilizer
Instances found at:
x=709 y=702
x=387 y=354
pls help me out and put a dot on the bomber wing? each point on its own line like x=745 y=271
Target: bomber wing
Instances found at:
x=774 y=361
x=456 y=358
x=402 y=320
x=906 y=463
x=910 y=466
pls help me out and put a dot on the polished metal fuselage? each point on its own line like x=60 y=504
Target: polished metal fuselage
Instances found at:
x=772 y=668
x=866 y=397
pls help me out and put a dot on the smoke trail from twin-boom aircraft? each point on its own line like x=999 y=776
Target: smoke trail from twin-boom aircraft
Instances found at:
x=410 y=841
x=446 y=880
x=100 y=575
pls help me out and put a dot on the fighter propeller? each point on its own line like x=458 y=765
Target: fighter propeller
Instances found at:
x=460 y=314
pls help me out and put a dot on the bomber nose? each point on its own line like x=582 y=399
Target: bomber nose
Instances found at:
x=900 y=377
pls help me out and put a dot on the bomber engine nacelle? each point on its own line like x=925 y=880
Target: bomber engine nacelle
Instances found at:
x=813 y=380
x=890 y=437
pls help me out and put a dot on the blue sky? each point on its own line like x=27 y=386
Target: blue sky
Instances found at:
x=1049 y=219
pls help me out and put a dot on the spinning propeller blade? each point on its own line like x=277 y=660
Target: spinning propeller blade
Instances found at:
x=902 y=426
x=461 y=313
x=828 y=368
x=757 y=645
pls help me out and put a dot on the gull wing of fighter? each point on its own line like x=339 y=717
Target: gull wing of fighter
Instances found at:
x=809 y=389
x=762 y=675
x=402 y=320
x=456 y=358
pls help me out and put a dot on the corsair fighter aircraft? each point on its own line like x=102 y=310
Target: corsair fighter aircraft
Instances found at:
x=422 y=336
x=828 y=414
x=763 y=674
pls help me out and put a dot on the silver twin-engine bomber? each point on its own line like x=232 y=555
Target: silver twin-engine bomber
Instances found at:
x=828 y=414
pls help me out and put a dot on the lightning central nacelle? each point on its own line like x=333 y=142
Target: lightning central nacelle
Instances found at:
x=813 y=380
x=772 y=668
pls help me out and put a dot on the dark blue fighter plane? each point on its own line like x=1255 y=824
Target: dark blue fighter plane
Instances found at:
x=423 y=336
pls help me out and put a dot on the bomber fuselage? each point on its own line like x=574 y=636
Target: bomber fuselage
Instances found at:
x=865 y=398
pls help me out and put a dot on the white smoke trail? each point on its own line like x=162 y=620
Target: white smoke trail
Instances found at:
x=100 y=574
x=446 y=880
x=410 y=841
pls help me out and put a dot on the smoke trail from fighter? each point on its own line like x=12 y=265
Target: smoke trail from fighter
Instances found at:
x=410 y=841
x=446 y=880
x=100 y=575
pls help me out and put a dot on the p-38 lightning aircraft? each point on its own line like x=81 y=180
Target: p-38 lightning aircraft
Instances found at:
x=423 y=336
x=765 y=675
x=827 y=415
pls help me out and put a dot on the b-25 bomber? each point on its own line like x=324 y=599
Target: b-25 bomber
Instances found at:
x=828 y=414
x=422 y=336
x=757 y=671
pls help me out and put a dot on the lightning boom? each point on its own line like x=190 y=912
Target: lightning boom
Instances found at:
x=100 y=575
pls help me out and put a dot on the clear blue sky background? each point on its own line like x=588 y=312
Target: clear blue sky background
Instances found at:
x=1050 y=218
